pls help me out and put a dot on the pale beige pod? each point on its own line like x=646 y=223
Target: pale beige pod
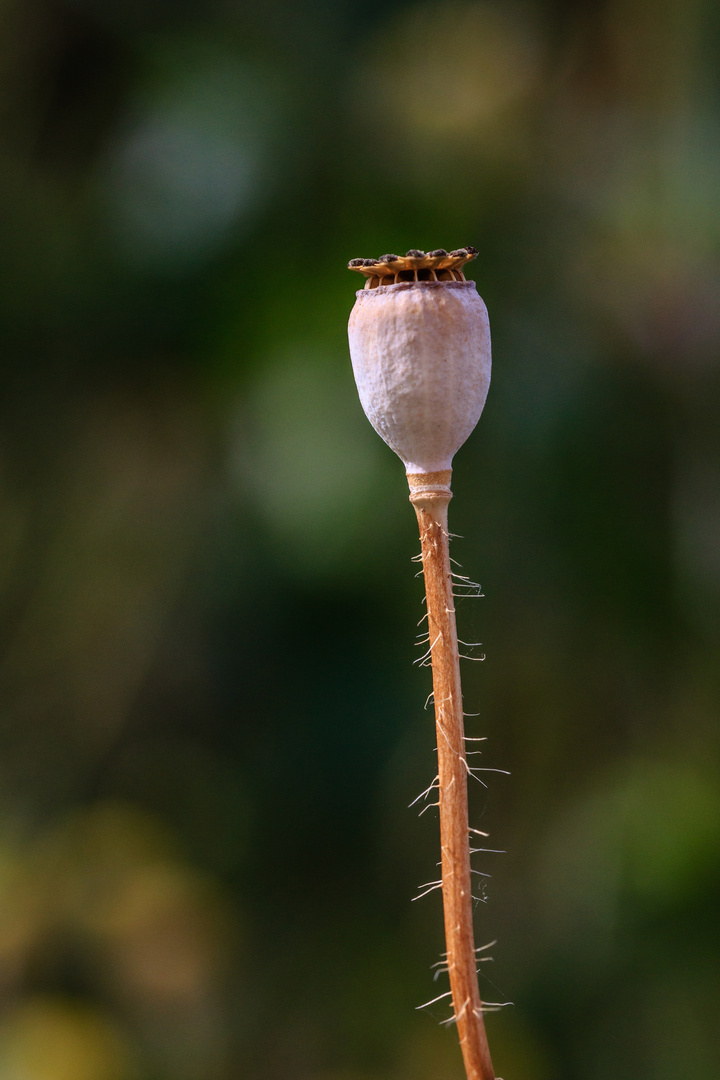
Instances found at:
x=420 y=350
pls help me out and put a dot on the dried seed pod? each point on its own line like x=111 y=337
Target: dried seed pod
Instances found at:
x=420 y=352
x=420 y=348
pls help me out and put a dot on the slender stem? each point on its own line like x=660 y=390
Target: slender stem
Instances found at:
x=430 y=494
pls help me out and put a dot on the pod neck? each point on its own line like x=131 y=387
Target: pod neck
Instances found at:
x=431 y=488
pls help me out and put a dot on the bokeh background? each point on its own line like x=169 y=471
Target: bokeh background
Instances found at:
x=211 y=724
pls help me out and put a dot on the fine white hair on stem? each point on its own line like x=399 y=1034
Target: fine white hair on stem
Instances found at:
x=426 y=658
x=464 y=579
x=434 y=1001
x=471 y=773
x=471 y=592
x=424 y=794
x=430 y=887
x=449 y=1022
x=482 y=948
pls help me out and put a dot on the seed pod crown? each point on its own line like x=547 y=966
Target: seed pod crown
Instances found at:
x=415 y=265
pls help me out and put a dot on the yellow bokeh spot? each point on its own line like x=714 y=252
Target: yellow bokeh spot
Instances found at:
x=53 y=1039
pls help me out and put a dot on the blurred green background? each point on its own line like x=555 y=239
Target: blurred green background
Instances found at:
x=211 y=727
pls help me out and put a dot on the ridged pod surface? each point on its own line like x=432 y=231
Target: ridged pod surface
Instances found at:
x=421 y=358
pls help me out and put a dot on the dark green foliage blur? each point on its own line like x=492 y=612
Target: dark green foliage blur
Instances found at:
x=210 y=723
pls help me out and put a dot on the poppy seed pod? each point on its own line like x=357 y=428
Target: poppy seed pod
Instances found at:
x=420 y=349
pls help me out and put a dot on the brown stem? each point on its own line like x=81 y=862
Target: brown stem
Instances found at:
x=430 y=494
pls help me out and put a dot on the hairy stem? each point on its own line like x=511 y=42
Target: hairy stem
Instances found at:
x=430 y=494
